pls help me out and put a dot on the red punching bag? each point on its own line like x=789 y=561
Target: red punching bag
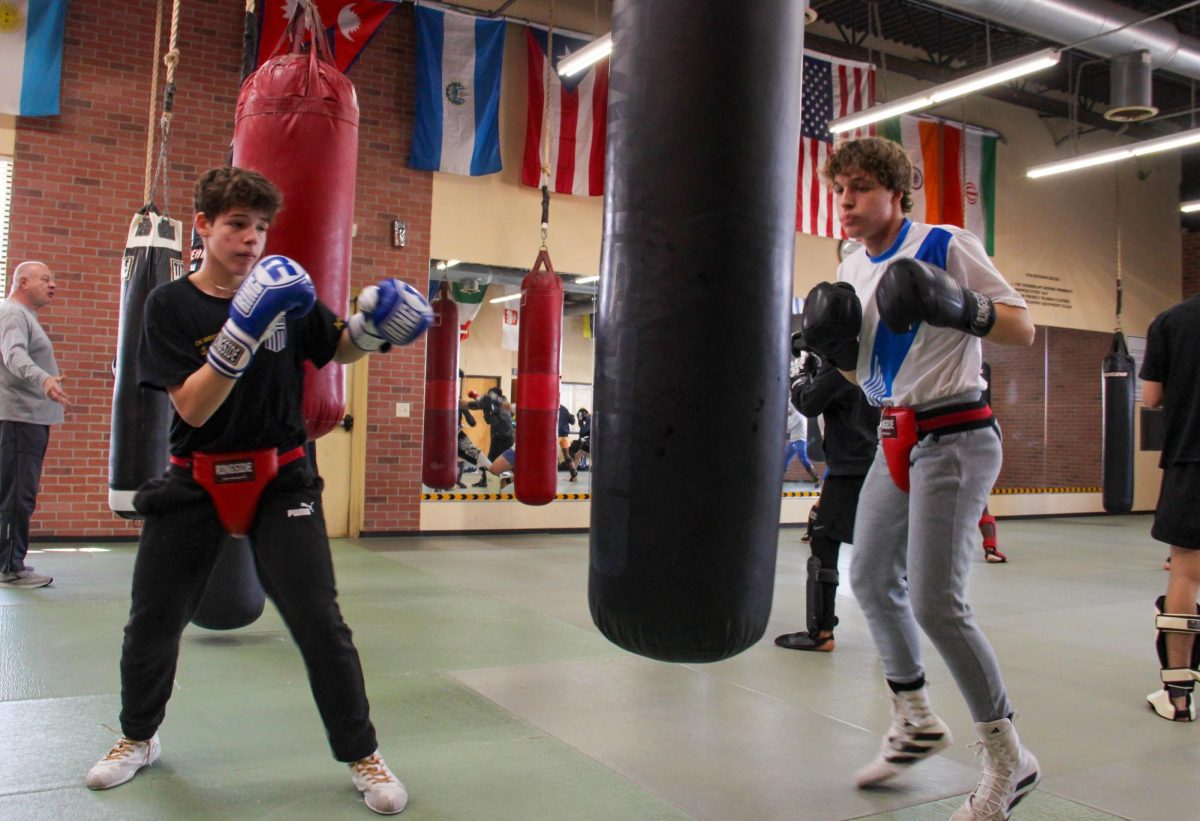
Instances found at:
x=539 y=366
x=297 y=125
x=439 y=453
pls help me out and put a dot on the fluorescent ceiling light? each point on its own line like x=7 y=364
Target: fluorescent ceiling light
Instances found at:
x=995 y=75
x=882 y=111
x=587 y=280
x=1168 y=143
x=447 y=263
x=1190 y=207
x=593 y=52
x=948 y=91
x=508 y=298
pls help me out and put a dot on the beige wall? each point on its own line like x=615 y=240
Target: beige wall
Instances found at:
x=8 y=134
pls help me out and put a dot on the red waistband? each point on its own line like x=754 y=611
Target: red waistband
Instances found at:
x=285 y=457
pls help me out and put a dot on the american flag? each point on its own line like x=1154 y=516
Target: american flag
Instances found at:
x=833 y=88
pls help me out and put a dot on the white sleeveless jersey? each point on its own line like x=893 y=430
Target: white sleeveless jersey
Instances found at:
x=925 y=364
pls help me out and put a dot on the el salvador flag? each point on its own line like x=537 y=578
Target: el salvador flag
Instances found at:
x=31 y=45
x=458 y=93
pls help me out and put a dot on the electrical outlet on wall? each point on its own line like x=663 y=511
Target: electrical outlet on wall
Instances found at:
x=403 y=409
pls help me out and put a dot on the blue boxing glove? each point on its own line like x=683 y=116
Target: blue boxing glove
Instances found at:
x=275 y=287
x=390 y=313
x=911 y=291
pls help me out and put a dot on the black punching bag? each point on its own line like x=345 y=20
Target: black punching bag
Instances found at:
x=1118 y=427
x=692 y=338
x=234 y=596
x=141 y=418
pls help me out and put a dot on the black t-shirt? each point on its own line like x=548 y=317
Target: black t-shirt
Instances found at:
x=1173 y=358
x=851 y=422
x=264 y=409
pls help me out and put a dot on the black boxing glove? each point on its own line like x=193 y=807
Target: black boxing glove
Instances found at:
x=912 y=291
x=831 y=321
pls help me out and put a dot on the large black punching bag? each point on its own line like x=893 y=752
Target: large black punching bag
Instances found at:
x=1118 y=427
x=692 y=338
x=234 y=596
x=141 y=418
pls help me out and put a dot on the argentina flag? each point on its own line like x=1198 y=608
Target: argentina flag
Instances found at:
x=457 y=127
x=31 y=45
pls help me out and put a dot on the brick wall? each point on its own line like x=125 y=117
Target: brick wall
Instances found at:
x=1191 y=263
x=1047 y=398
x=78 y=178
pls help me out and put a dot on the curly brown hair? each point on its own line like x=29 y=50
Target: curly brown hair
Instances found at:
x=223 y=188
x=884 y=159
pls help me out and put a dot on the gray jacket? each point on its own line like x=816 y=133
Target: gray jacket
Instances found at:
x=26 y=360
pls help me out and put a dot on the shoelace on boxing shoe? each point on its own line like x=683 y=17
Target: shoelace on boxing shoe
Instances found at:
x=373 y=769
x=124 y=748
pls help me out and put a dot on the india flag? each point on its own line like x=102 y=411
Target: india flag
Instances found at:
x=31 y=44
x=954 y=173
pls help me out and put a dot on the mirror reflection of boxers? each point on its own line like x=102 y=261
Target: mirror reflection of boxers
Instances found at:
x=850 y=425
x=926 y=295
x=1171 y=374
x=228 y=344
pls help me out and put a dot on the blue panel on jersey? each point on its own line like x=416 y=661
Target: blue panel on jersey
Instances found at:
x=935 y=247
x=886 y=358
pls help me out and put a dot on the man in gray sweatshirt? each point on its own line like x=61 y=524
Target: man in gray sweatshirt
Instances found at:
x=31 y=400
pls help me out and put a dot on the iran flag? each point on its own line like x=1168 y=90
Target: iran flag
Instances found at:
x=954 y=173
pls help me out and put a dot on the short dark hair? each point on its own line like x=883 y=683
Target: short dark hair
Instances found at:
x=220 y=189
x=885 y=159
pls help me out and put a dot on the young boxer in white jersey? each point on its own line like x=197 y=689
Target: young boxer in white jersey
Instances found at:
x=904 y=321
x=228 y=344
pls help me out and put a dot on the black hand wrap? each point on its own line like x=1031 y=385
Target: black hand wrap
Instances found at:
x=831 y=322
x=912 y=291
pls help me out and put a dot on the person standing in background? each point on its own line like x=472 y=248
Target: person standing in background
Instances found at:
x=1171 y=381
x=31 y=400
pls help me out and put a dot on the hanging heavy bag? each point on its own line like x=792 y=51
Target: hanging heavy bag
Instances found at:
x=1118 y=377
x=234 y=596
x=141 y=418
x=439 y=448
x=297 y=125
x=692 y=337
x=539 y=369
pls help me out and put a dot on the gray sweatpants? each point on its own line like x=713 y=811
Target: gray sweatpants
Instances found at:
x=910 y=560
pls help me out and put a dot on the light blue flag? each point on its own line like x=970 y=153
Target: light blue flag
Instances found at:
x=457 y=126
x=31 y=45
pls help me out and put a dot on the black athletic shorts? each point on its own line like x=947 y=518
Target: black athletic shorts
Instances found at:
x=1175 y=520
x=838 y=506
